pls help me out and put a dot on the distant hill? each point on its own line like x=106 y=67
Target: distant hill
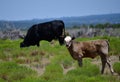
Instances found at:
x=69 y=21
x=93 y=19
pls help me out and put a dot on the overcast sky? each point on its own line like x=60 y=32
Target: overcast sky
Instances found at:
x=35 y=9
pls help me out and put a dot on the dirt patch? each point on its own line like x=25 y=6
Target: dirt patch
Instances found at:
x=65 y=70
x=39 y=67
x=113 y=59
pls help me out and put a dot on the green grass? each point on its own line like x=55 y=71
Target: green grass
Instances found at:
x=16 y=64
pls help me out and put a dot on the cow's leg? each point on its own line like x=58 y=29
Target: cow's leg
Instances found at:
x=61 y=40
x=38 y=44
x=111 y=69
x=80 y=62
x=103 y=60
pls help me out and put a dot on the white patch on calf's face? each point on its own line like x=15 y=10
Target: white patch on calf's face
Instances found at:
x=68 y=40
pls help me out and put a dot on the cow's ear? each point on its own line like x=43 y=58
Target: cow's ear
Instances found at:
x=22 y=36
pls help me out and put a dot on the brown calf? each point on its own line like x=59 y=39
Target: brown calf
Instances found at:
x=91 y=49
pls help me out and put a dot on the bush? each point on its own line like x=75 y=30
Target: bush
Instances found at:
x=11 y=71
x=116 y=67
x=1 y=80
x=53 y=72
x=89 y=70
x=32 y=79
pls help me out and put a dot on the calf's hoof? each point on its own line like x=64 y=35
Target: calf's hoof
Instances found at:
x=80 y=64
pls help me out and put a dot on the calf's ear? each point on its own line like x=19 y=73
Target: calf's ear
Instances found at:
x=73 y=38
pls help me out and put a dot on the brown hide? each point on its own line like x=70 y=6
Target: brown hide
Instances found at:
x=88 y=48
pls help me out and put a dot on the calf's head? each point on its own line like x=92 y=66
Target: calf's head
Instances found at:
x=68 y=40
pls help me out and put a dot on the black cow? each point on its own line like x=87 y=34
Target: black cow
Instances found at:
x=44 y=31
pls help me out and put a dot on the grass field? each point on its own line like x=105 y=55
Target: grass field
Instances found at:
x=51 y=63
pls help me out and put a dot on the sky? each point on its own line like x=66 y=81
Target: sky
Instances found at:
x=40 y=9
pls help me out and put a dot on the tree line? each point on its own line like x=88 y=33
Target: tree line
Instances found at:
x=105 y=25
x=92 y=30
x=83 y=30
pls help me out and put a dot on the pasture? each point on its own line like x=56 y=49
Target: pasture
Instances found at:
x=52 y=63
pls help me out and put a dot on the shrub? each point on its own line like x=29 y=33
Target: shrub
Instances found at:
x=116 y=67
x=33 y=79
x=1 y=80
x=11 y=71
x=53 y=72
x=87 y=69
x=66 y=63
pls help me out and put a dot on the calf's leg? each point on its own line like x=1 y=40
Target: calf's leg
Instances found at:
x=104 y=61
x=111 y=69
x=80 y=62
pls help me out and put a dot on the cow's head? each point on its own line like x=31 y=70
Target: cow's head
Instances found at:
x=28 y=43
x=22 y=44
